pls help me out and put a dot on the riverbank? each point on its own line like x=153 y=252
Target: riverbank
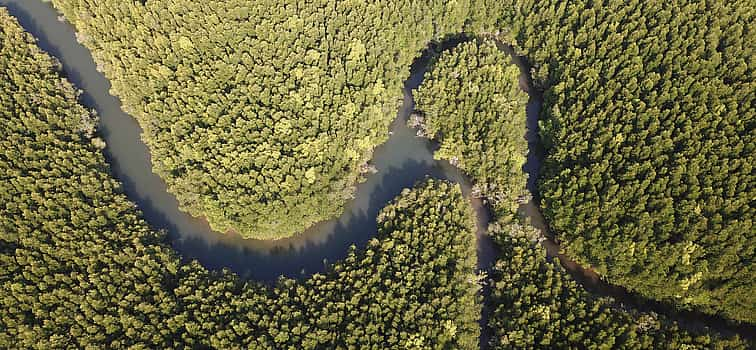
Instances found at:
x=191 y=237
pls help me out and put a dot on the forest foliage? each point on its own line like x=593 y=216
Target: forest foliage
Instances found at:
x=262 y=122
x=413 y=287
x=276 y=91
x=79 y=266
x=471 y=103
x=537 y=305
x=648 y=124
x=81 y=269
x=259 y=114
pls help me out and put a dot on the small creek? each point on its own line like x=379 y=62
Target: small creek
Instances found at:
x=402 y=161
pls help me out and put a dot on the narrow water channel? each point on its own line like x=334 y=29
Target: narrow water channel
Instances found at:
x=587 y=277
x=402 y=161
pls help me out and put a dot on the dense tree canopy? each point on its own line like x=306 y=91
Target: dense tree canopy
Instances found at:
x=471 y=102
x=258 y=114
x=267 y=115
x=79 y=266
x=414 y=287
x=538 y=306
x=648 y=121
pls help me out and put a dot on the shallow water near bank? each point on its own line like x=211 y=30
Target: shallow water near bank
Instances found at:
x=402 y=161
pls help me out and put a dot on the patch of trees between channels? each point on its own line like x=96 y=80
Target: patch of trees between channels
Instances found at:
x=648 y=122
x=259 y=115
x=472 y=104
x=537 y=305
x=81 y=269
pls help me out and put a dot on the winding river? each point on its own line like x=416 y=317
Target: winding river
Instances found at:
x=191 y=237
x=402 y=161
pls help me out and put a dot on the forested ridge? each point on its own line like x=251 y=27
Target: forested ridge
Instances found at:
x=259 y=115
x=648 y=124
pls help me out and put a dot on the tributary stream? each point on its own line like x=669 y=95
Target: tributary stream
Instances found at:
x=401 y=162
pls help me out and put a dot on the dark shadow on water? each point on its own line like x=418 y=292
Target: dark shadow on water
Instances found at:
x=533 y=162
x=356 y=228
x=127 y=156
x=191 y=237
x=586 y=276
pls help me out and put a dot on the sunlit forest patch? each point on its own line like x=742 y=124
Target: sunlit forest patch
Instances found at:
x=259 y=115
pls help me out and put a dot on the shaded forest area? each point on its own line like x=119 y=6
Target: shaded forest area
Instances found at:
x=263 y=122
x=538 y=306
x=80 y=268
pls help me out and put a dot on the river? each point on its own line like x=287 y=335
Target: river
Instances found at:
x=191 y=237
x=402 y=161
